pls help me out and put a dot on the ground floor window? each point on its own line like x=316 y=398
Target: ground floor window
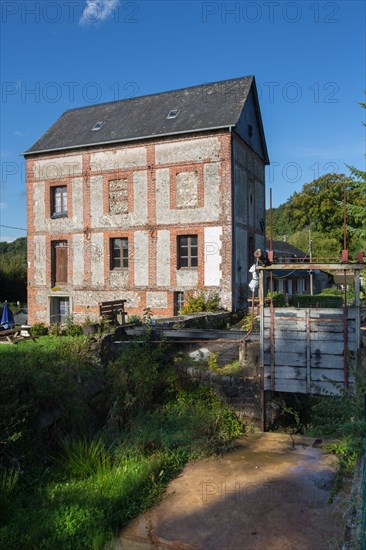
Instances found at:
x=187 y=251
x=178 y=302
x=59 y=309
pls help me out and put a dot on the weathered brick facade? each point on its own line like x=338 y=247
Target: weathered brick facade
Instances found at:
x=208 y=184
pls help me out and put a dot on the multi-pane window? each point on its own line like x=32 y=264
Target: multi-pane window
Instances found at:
x=187 y=251
x=59 y=201
x=119 y=253
x=59 y=262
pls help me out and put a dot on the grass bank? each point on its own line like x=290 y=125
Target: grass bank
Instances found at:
x=107 y=457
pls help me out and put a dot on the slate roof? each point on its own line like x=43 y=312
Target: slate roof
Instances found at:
x=285 y=248
x=204 y=107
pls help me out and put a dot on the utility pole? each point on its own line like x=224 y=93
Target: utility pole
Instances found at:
x=311 y=271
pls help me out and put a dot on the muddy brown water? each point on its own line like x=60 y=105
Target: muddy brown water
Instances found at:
x=264 y=494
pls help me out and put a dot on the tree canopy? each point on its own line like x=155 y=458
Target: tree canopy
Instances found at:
x=318 y=209
x=356 y=212
x=13 y=270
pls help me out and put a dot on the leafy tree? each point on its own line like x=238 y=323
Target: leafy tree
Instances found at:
x=323 y=246
x=13 y=271
x=356 y=212
x=280 y=223
x=319 y=205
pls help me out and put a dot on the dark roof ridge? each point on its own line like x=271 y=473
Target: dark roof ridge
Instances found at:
x=204 y=107
x=160 y=93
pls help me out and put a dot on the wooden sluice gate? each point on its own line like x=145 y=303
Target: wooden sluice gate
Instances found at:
x=310 y=350
x=308 y=347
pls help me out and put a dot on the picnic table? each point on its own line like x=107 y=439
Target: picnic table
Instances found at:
x=13 y=335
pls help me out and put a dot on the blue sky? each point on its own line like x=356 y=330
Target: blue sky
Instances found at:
x=308 y=58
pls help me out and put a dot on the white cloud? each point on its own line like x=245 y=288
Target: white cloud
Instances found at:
x=19 y=133
x=3 y=205
x=96 y=11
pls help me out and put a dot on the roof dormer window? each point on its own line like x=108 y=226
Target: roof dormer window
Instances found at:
x=98 y=125
x=173 y=113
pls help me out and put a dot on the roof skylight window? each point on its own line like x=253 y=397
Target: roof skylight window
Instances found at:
x=98 y=125
x=173 y=113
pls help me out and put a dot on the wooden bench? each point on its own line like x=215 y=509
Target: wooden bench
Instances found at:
x=112 y=310
x=13 y=335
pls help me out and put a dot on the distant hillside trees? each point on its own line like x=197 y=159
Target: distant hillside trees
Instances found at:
x=316 y=213
x=13 y=270
x=357 y=212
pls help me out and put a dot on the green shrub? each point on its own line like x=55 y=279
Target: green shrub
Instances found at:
x=135 y=379
x=332 y=292
x=317 y=300
x=341 y=417
x=201 y=302
x=39 y=329
x=212 y=361
x=278 y=298
x=72 y=329
x=135 y=319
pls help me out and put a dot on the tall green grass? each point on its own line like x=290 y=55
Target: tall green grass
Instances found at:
x=84 y=485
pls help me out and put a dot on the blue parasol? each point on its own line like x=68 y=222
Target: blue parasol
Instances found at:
x=7 y=319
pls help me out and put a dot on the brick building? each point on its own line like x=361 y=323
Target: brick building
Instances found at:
x=146 y=199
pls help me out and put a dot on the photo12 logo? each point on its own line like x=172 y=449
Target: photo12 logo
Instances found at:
x=270 y=12
x=81 y=12
x=293 y=172
x=293 y=92
x=69 y=91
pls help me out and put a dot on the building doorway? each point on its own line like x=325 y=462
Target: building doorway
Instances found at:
x=59 y=309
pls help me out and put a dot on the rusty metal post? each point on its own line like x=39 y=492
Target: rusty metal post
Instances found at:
x=344 y=216
x=272 y=344
x=261 y=368
x=308 y=351
x=270 y=220
x=345 y=333
x=344 y=251
x=358 y=308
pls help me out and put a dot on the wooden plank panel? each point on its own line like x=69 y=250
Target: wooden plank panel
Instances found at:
x=285 y=313
x=286 y=325
x=328 y=347
x=337 y=375
x=331 y=336
x=286 y=334
x=331 y=347
x=287 y=359
x=325 y=361
x=284 y=346
x=290 y=386
x=332 y=324
x=288 y=373
x=322 y=327
x=336 y=312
